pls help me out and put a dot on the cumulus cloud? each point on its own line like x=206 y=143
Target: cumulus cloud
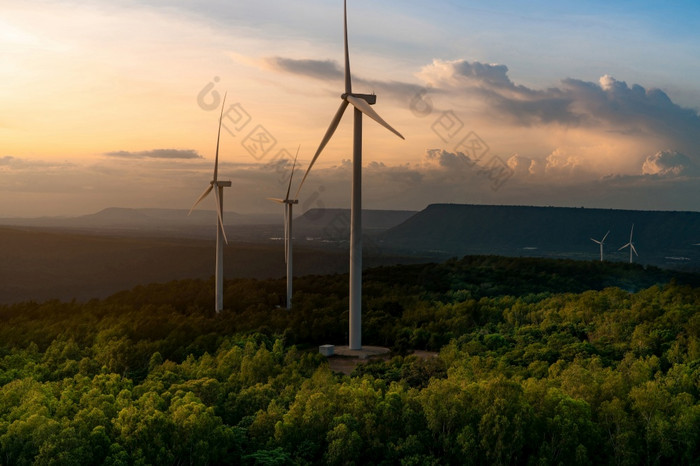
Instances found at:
x=669 y=163
x=574 y=132
x=632 y=110
x=560 y=161
x=490 y=84
x=522 y=166
x=156 y=154
x=609 y=104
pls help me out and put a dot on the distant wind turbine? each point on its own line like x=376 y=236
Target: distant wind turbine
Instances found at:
x=362 y=104
x=601 y=244
x=630 y=245
x=220 y=233
x=288 y=203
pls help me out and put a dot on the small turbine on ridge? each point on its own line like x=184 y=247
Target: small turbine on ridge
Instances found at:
x=220 y=233
x=630 y=245
x=601 y=244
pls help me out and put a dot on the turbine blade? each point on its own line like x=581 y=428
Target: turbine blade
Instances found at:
x=606 y=235
x=274 y=199
x=348 y=83
x=595 y=240
x=204 y=194
x=634 y=249
x=291 y=175
x=365 y=108
x=631 y=232
x=218 y=137
x=220 y=215
x=329 y=133
x=623 y=247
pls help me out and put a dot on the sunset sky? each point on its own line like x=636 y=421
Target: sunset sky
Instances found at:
x=115 y=103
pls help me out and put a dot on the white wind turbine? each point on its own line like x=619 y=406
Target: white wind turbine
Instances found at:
x=601 y=244
x=630 y=245
x=220 y=233
x=288 y=203
x=361 y=104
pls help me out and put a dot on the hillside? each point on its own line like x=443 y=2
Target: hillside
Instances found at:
x=118 y=220
x=41 y=264
x=661 y=238
x=334 y=224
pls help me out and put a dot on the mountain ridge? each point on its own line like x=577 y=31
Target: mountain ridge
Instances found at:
x=461 y=229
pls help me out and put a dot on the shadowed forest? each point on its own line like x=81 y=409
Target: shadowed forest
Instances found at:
x=539 y=362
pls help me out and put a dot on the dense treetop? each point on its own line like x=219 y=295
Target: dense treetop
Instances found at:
x=538 y=362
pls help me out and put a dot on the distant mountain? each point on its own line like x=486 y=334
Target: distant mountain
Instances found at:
x=125 y=220
x=334 y=224
x=331 y=224
x=661 y=238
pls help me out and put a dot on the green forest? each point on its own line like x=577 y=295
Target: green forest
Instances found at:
x=538 y=362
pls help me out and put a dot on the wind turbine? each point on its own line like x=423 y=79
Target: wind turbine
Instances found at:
x=601 y=244
x=288 y=203
x=220 y=233
x=630 y=245
x=362 y=104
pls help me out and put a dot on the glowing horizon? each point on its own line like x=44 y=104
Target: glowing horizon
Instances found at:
x=112 y=104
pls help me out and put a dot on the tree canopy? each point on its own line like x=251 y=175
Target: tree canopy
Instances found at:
x=538 y=362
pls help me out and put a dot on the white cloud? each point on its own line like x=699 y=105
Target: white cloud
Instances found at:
x=559 y=161
x=522 y=166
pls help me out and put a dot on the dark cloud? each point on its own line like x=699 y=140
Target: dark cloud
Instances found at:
x=332 y=70
x=669 y=163
x=156 y=154
x=319 y=69
x=16 y=163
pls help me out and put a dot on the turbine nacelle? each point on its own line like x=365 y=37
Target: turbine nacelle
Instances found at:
x=369 y=98
x=283 y=201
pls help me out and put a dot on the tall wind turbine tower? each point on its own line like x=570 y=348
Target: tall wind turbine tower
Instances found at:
x=630 y=245
x=362 y=105
x=288 y=203
x=601 y=244
x=220 y=233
